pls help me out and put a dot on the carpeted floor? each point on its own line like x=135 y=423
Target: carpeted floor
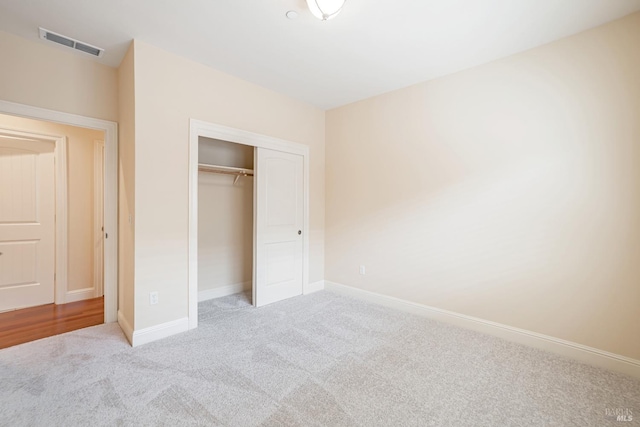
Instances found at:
x=316 y=360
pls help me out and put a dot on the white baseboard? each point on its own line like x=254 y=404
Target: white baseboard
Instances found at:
x=582 y=353
x=125 y=326
x=313 y=287
x=79 y=295
x=223 y=291
x=157 y=332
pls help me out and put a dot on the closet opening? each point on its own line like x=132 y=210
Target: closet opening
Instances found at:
x=225 y=219
x=248 y=219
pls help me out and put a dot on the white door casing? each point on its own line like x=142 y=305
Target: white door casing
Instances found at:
x=27 y=223
x=98 y=220
x=279 y=220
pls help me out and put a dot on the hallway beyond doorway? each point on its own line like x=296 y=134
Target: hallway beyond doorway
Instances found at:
x=34 y=323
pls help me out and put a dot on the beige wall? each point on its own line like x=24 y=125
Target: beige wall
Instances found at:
x=126 y=186
x=169 y=90
x=509 y=192
x=80 y=146
x=225 y=231
x=40 y=75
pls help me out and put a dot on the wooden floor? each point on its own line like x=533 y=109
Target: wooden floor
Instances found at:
x=30 y=324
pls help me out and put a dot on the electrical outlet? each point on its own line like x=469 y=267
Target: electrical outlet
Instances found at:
x=153 y=298
x=362 y=270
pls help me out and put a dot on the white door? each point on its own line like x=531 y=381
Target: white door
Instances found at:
x=279 y=224
x=27 y=231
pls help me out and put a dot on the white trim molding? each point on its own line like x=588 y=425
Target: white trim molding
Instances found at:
x=62 y=223
x=158 y=332
x=110 y=130
x=579 y=352
x=198 y=128
x=313 y=287
x=223 y=291
x=98 y=219
x=80 y=294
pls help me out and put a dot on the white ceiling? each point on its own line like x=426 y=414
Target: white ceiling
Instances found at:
x=372 y=47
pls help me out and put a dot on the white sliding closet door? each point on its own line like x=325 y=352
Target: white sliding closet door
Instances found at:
x=279 y=223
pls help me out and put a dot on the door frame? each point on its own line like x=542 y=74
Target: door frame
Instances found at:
x=98 y=217
x=198 y=128
x=110 y=130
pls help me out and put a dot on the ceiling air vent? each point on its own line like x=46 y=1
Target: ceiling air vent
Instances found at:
x=69 y=42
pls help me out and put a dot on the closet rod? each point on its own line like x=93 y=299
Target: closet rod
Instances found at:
x=247 y=173
x=227 y=170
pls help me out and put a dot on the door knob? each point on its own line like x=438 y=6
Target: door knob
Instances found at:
x=299 y=232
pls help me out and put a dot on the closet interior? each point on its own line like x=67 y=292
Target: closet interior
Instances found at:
x=225 y=218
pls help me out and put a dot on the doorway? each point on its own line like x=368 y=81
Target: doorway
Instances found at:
x=108 y=137
x=51 y=181
x=280 y=209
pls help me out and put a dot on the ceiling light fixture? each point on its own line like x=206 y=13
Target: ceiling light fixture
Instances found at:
x=325 y=9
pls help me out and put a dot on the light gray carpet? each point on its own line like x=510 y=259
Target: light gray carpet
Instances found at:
x=321 y=359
